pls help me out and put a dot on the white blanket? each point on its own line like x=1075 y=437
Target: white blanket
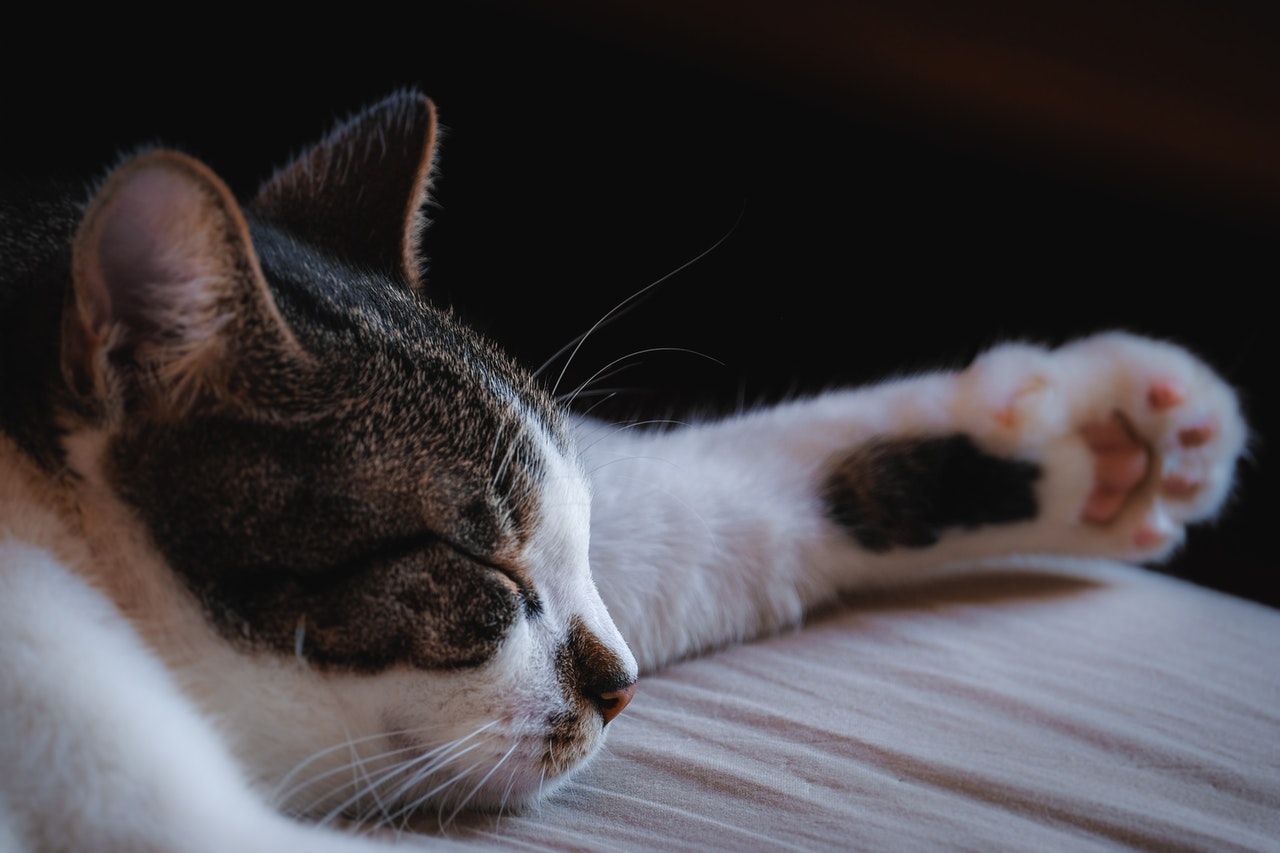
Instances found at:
x=1079 y=707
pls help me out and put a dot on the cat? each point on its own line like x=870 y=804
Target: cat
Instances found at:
x=269 y=515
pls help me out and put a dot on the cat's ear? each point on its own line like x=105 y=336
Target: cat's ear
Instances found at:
x=166 y=283
x=360 y=192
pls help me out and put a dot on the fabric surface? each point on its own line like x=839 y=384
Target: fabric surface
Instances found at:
x=1076 y=707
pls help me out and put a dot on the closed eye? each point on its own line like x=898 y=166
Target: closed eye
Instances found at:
x=404 y=546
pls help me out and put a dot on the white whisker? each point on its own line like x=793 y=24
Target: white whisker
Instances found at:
x=667 y=422
x=478 y=785
x=605 y=394
x=493 y=452
x=602 y=374
x=282 y=794
x=299 y=635
x=618 y=310
x=285 y=794
x=417 y=774
x=432 y=759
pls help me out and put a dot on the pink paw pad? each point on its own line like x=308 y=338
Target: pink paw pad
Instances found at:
x=1197 y=435
x=1007 y=418
x=1179 y=487
x=1121 y=464
x=1147 y=536
x=1165 y=394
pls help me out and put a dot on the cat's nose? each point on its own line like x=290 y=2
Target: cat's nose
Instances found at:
x=593 y=672
x=611 y=702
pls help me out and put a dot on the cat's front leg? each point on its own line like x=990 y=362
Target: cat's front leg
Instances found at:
x=714 y=532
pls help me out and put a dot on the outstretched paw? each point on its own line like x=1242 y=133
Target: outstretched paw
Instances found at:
x=1137 y=438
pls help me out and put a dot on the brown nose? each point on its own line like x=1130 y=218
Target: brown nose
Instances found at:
x=612 y=702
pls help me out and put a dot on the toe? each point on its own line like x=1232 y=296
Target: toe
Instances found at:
x=1180 y=487
x=1165 y=394
x=1197 y=435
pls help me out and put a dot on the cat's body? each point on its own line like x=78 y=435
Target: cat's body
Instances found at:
x=277 y=535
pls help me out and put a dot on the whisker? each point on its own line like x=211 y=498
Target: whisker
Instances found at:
x=283 y=794
x=628 y=425
x=340 y=770
x=480 y=784
x=551 y=760
x=566 y=399
x=416 y=777
x=506 y=792
x=360 y=773
x=434 y=762
x=412 y=806
x=280 y=795
x=511 y=449
x=605 y=396
x=601 y=373
x=630 y=302
x=299 y=635
x=497 y=443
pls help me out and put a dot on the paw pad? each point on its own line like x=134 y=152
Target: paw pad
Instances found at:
x=1008 y=417
x=1198 y=435
x=1148 y=536
x=1165 y=394
x=1153 y=435
x=1179 y=487
x=1121 y=463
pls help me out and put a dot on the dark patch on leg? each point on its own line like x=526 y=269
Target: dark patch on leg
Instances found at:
x=906 y=492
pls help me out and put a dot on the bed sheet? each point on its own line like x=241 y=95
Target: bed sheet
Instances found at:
x=1069 y=706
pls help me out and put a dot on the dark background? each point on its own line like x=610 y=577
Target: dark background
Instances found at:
x=867 y=188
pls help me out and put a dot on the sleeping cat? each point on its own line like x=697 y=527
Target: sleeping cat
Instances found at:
x=280 y=538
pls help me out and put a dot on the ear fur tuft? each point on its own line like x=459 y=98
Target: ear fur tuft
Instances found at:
x=162 y=264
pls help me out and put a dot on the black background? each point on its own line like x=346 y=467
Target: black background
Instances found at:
x=842 y=231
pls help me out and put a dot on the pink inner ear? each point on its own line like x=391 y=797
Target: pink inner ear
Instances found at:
x=163 y=263
x=148 y=247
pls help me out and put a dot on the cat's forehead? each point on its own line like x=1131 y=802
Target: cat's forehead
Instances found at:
x=391 y=344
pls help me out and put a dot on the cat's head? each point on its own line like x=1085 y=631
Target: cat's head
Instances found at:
x=355 y=530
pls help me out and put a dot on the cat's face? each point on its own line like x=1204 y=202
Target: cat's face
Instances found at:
x=355 y=530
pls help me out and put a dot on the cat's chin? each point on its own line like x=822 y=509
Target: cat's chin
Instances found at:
x=413 y=782
x=517 y=791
